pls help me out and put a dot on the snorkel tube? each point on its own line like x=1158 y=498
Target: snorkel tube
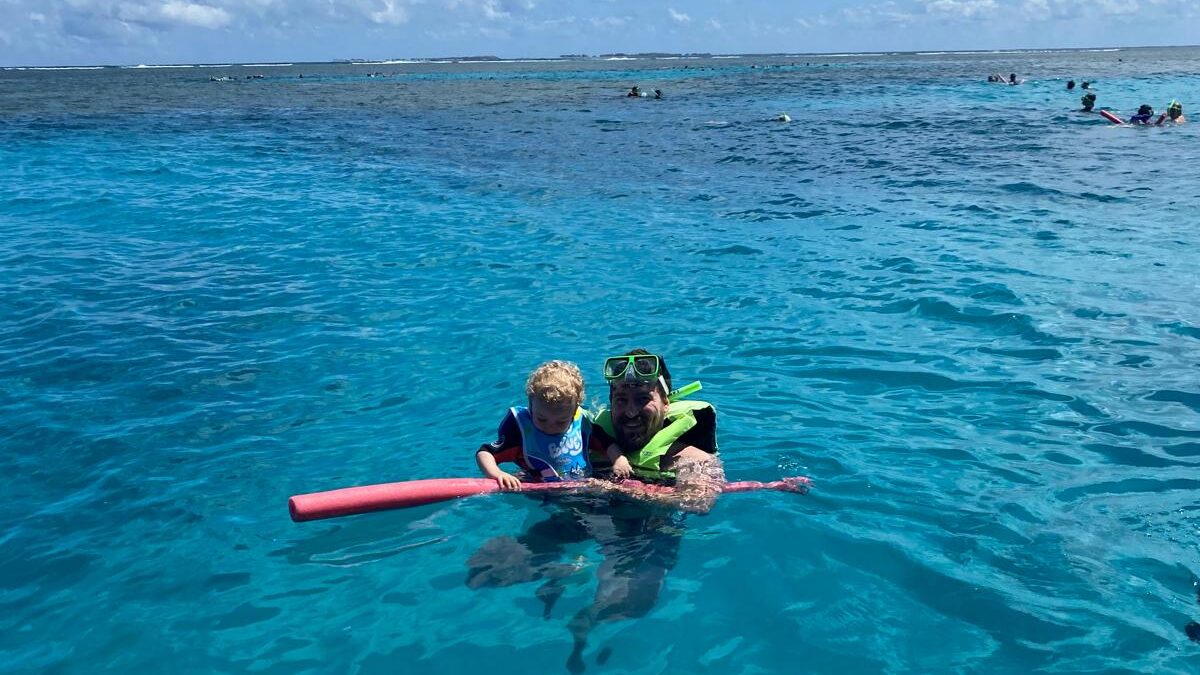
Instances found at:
x=684 y=391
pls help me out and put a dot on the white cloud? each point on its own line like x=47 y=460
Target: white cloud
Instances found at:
x=609 y=21
x=492 y=9
x=390 y=14
x=1072 y=10
x=961 y=9
x=553 y=24
x=881 y=14
x=1036 y=10
x=679 y=17
x=202 y=16
x=1111 y=7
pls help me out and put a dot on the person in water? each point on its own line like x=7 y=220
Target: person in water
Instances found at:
x=1175 y=112
x=634 y=92
x=661 y=438
x=658 y=94
x=1144 y=113
x=1089 y=102
x=549 y=438
x=1012 y=79
x=1070 y=85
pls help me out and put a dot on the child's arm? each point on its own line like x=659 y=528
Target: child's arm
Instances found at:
x=487 y=464
x=620 y=465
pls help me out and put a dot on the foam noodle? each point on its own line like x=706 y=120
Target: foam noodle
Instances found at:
x=368 y=498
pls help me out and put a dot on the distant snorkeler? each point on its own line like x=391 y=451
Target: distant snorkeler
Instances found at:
x=1012 y=79
x=1089 y=102
x=1070 y=85
x=634 y=92
x=1175 y=112
x=1144 y=113
x=658 y=94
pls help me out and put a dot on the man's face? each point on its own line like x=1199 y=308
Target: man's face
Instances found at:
x=638 y=411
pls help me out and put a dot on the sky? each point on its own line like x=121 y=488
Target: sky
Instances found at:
x=132 y=32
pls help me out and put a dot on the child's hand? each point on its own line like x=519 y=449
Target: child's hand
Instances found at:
x=621 y=468
x=508 y=482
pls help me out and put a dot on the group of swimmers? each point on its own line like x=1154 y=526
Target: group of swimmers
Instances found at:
x=553 y=438
x=1174 y=114
x=1145 y=113
x=229 y=78
x=651 y=432
x=636 y=92
x=1000 y=79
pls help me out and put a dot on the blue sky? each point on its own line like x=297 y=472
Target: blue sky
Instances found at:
x=130 y=32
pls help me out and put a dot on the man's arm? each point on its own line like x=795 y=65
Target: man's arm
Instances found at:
x=699 y=478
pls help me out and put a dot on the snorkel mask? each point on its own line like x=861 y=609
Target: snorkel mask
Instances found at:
x=643 y=369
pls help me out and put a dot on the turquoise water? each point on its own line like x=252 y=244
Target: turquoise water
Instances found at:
x=967 y=312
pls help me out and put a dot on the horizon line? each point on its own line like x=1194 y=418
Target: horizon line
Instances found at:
x=580 y=57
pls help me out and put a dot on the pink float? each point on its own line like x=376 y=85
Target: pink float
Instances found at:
x=368 y=498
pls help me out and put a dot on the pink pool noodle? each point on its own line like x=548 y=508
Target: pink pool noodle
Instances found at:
x=368 y=498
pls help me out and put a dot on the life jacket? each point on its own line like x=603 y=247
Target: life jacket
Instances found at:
x=682 y=417
x=555 y=457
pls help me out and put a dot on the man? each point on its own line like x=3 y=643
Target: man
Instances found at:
x=661 y=437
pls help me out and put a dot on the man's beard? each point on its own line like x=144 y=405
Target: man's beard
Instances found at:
x=633 y=440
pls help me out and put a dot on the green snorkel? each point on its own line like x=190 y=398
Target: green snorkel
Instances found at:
x=684 y=391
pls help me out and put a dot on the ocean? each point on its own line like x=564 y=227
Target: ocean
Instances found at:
x=966 y=311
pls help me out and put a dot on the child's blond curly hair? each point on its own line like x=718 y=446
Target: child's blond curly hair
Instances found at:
x=556 y=383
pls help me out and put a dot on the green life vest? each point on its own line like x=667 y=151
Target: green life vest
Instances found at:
x=682 y=417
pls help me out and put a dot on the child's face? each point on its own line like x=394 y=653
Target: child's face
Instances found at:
x=550 y=418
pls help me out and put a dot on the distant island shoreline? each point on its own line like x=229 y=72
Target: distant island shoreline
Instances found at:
x=607 y=57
